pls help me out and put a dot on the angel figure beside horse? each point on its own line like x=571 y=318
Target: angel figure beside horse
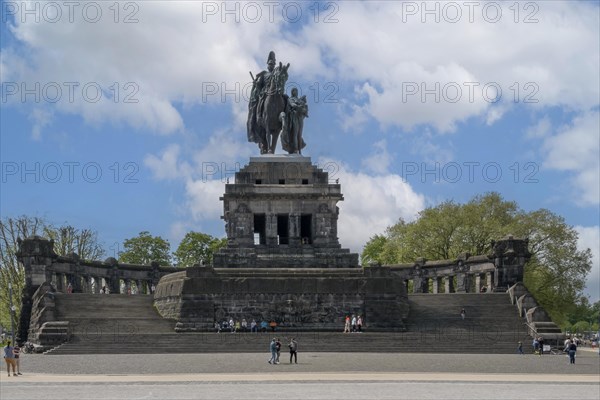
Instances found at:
x=272 y=113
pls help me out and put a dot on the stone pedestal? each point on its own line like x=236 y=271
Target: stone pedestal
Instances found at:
x=509 y=255
x=282 y=212
x=297 y=299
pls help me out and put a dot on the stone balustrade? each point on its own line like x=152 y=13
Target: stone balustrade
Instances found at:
x=495 y=272
x=43 y=266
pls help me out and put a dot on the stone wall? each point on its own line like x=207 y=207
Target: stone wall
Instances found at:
x=307 y=299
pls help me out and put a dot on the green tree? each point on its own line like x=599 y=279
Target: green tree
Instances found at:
x=197 y=248
x=555 y=275
x=145 y=248
x=374 y=250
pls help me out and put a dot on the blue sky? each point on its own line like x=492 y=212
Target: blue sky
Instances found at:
x=130 y=117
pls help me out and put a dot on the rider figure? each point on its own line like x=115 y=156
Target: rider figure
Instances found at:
x=260 y=85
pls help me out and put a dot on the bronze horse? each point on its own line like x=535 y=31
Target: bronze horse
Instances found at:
x=274 y=104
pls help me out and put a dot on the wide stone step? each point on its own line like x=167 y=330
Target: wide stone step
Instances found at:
x=308 y=342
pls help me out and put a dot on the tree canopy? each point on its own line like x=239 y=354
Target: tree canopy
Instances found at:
x=197 y=248
x=555 y=274
x=145 y=248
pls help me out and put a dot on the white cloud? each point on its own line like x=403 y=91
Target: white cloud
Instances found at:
x=379 y=161
x=541 y=129
x=169 y=56
x=519 y=58
x=177 y=51
x=41 y=118
x=371 y=203
x=167 y=167
x=576 y=149
x=223 y=149
x=589 y=237
x=203 y=198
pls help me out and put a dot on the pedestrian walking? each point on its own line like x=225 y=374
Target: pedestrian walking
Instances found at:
x=347 y=324
x=9 y=358
x=293 y=350
x=354 y=323
x=359 y=324
x=536 y=345
x=278 y=349
x=273 y=350
x=572 y=350
x=17 y=354
x=520 y=349
x=463 y=313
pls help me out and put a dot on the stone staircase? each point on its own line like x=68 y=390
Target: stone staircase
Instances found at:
x=92 y=315
x=491 y=321
x=116 y=324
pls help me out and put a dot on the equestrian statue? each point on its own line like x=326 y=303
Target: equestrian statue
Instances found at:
x=272 y=113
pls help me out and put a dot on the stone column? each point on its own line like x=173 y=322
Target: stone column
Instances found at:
x=417 y=284
x=425 y=285
x=478 y=283
x=271 y=229
x=449 y=284
x=294 y=229
x=60 y=282
x=127 y=286
x=75 y=281
x=94 y=285
x=437 y=285
x=85 y=283
x=488 y=281
x=461 y=282
x=140 y=286
x=114 y=285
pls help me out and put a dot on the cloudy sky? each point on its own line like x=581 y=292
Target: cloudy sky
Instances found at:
x=129 y=116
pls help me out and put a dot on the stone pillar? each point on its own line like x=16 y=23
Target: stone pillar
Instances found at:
x=488 y=281
x=417 y=284
x=77 y=283
x=509 y=255
x=477 y=283
x=294 y=230
x=36 y=255
x=449 y=284
x=271 y=229
x=97 y=284
x=114 y=285
x=127 y=286
x=461 y=282
x=436 y=285
x=60 y=282
x=139 y=286
x=85 y=284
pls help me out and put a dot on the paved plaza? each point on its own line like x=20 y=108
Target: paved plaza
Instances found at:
x=316 y=376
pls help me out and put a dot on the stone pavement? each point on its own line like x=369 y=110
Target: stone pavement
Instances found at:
x=316 y=376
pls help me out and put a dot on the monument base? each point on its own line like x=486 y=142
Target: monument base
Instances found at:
x=296 y=299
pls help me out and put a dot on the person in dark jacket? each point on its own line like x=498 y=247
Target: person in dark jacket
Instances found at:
x=293 y=350
x=572 y=348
